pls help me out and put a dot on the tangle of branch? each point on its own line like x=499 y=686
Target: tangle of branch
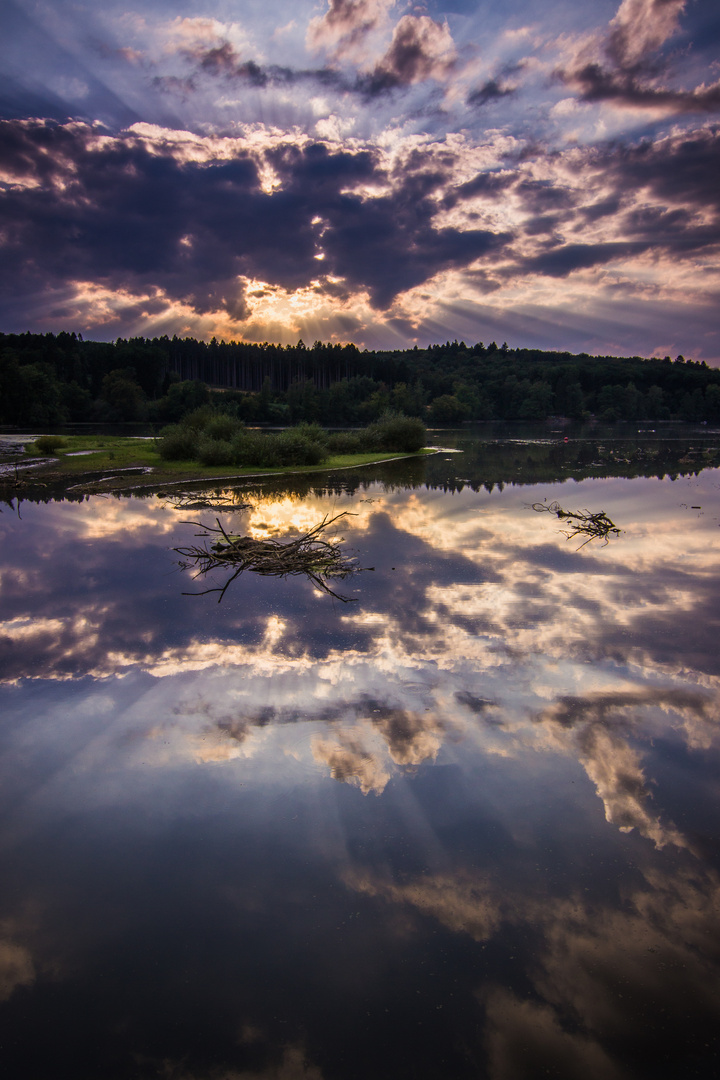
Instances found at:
x=582 y=522
x=309 y=554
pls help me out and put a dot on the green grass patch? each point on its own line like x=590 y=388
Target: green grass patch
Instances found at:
x=108 y=453
x=101 y=452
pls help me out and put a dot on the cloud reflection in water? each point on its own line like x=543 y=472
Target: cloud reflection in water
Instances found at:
x=493 y=778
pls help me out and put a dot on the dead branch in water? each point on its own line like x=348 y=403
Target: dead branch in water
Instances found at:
x=186 y=500
x=309 y=554
x=582 y=522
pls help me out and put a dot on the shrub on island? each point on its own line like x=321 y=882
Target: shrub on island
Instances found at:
x=395 y=432
x=216 y=439
x=48 y=444
x=215 y=451
x=178 y=442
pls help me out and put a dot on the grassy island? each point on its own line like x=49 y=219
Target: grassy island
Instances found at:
x=209 y=445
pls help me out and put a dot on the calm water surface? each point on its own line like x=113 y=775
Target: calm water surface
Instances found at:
x=466 y=825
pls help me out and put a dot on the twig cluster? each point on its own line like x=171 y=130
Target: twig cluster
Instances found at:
x=191 y=501
x=582 y=522
x=309 y=554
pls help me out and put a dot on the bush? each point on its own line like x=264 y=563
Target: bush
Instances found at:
x=313 y=432
x=294 y=448
x=215 y=451
x=198 y=419
x=221 y=426
x=290 y=447
x=48 y=444
x=252 y=448
x=178 y=443
x=405 y=434
x=218 y=439
x=346 y=442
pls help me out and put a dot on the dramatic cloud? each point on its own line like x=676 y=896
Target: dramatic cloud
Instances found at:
x=420 y=49
x=344 y=28
x=438 y=176
x=626 y=68
x=492 y=90
x=222 y=60
x=217 y=224
x=599 y=84
x=640 y=27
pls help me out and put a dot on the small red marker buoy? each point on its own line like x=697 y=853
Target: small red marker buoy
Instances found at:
x=566 y=439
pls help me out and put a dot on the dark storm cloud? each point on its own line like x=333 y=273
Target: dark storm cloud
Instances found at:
x=132 y=213
x=223 y=61
x=117 y=215
x=490 y=185
x=680 y=169
x=492 y=90
x=385 y=244
x=403 y=233
x=597 y=83
x=627 y=68
x=563 y=260
x=542 y=195
x=121 y=214
x=420 y=49
x=603 y=208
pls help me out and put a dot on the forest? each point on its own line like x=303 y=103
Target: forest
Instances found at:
x=51 y=379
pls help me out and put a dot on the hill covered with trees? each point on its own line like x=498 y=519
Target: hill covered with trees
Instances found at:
x=55 y=378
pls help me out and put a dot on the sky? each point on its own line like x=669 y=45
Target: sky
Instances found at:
x=376 y=171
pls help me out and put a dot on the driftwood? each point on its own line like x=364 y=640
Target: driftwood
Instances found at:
x=186 y=500
x=581 y=522
x=309 y=554
x=8 y=480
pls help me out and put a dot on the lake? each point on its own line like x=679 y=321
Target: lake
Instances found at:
x=463 y=822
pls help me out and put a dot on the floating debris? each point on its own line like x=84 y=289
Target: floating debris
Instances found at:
x=309 y=554
x=582 y=522
x=191 y=501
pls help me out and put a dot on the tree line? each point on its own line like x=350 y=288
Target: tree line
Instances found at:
x=50 y=379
